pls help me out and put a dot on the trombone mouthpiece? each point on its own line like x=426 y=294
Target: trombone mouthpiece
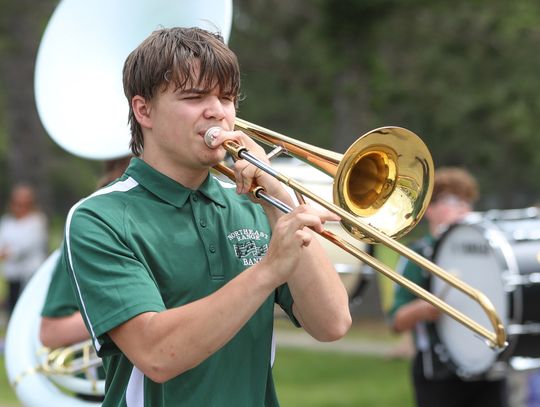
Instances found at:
x=210 y=136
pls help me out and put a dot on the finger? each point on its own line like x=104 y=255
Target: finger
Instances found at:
x=246 y=175
x=323 y=213
x=320 y=216
x=241 y=176
x=244 y=140
x=299 y=220
x=247 y=179
x=303 y=237
x=329 y=216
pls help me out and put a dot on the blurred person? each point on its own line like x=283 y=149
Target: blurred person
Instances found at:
x=177 y=274
x=23 y=241
x=61 y=322
x=112 y=170
x=435 y=384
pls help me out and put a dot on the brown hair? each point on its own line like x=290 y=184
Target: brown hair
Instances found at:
x=455 y=181
x=113 y=169
x=176 y=55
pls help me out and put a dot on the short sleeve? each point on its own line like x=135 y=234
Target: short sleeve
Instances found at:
x=111 y=284
x=412 y=272
x=60 y=300
x=285 y=300
x=402 y=295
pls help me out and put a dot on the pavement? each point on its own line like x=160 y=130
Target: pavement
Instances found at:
x=385 y=346
x=304 y=340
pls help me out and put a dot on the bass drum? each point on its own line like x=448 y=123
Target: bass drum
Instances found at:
x=498 y=254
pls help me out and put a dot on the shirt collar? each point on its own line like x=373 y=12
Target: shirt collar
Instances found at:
x=168 y=189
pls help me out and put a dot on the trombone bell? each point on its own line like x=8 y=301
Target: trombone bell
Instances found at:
x=385 y=177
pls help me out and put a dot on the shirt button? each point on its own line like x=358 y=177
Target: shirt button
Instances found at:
x=212 y=248
x=194 y=197
x=202 y=223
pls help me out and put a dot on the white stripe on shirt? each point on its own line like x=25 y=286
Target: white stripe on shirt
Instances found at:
x=121 y=186
x=135 y=389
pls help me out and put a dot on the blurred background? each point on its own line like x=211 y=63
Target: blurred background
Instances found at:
x=462 y=75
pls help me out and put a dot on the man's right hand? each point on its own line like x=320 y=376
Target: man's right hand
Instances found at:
x=290 y=235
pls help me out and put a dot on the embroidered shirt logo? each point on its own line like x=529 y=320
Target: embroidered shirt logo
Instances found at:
x=249 y=245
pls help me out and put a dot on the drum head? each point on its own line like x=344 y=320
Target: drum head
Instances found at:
x=471 y=254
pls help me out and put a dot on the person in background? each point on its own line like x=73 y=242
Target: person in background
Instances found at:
x=176 y=273
x=113 y=169
x=61 y=322
x=23 y=241
x=435 y=384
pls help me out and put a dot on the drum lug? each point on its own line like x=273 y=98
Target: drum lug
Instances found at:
x=532 y=328
x=514 y=280
x=522 y=363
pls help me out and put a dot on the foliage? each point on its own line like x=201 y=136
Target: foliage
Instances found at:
x=284 y=69
x=461 y=74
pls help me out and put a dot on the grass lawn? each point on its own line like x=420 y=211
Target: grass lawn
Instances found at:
x=7 y=395
x=319 y=379
x=315 y=379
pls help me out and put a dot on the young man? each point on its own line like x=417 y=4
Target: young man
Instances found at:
x=454 y=193
x=177 y=275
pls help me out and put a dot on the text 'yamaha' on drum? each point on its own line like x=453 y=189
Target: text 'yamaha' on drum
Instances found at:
x=499 y=254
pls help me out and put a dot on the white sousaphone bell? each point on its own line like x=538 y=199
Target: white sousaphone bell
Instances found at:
x=81 y=103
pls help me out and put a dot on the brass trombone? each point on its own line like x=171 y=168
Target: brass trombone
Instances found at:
x=382 y=186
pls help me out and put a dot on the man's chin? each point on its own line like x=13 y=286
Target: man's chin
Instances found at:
x=215 y=159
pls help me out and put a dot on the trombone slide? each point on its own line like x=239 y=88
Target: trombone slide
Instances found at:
x=496 y=339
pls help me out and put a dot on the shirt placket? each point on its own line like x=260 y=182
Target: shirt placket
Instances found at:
x=209 y=236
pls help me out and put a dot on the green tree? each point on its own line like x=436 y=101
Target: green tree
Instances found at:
x=464 y=76
x=26 y=152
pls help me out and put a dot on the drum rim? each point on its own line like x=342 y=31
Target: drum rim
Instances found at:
x=502 y=253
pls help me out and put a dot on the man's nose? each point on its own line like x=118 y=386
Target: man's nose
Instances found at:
x=214 y=108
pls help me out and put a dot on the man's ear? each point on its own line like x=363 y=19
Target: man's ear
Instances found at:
x=141 y=110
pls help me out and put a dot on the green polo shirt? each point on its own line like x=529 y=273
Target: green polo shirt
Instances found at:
x=414 y=273
x=60 y=300
x=146 y=243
